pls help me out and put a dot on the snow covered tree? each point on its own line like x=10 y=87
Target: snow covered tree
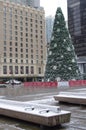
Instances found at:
x=61 y=60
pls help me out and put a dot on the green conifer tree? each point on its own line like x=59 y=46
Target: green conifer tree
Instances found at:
x=61 y=61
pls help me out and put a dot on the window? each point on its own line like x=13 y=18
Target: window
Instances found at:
x=16 y=44
x=39 y=70
x=32 y=70
x=10 y=60
x=4 y=42
x=10 y=69
x=10 y=54
x=10 y=48
x=4 y=69
x=21 y=50
x=26 y=55
x=16 y=61
x=16 y=55
x=4 y=54
x=21 y=55
x=26 y=39
x=10 y=43
x=26 y=45
x=21 y=61
x=21 y=33
x=4 y=48
x=16 y=69
x=31 y=56
x=26 y=50
x=27 y=70
x=4 y=60
x=31 y=50
x=31 y=61
x=40 y=22
x=16 y=49
x=26 y=34
x=27 y=61
x=22 y=69
x=31 y=20
x=21 y=44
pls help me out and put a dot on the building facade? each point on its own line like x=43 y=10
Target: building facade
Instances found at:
x=22 y=42
x=32 y=3
x=77 y=29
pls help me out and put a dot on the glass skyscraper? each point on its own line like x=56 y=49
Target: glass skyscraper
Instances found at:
x=77 y=25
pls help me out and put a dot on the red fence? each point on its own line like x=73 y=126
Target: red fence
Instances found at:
x=40 y=84
x=71 y=83
x=77 y=83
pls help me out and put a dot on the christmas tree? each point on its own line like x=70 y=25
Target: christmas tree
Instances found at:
x=61 y=60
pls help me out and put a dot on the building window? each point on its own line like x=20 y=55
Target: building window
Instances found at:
x=22 y=69
x=4 y=60
x=16 y=61
x=10 y=43
x=31 y=56
x=4 y=54
x=26 y=50
x=21 y=50
x=31 y=61
x=16 y=69
x=4 y=69
x=21 y=55
x=26 y=55
x=10 y=60
x=10 y=54
x=4 y=48
x=32 y=70
x=16 y=55
x=26 y=45
x=39 y=70
x=27 y=70
x=10 y=69
x=16 y=49
x=4 y=42
x=21 y=61
x=10 y=48
x=21 y=44
x=16 y=44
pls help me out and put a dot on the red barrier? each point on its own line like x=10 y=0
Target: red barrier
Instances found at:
x=40 y=84
x=77 y=83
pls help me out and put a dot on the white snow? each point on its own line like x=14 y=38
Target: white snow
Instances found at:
x=32 y=108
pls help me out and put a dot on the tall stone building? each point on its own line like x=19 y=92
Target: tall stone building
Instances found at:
x=77 y=29
x=22 y=42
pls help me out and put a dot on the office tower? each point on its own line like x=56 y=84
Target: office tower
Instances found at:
x=77 y=28
x=77 y=25
x=22 y=42
x=49 y=27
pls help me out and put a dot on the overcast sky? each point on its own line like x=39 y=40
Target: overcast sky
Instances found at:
x=50 y=6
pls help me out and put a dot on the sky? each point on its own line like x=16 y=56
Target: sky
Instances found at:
x=50 y=7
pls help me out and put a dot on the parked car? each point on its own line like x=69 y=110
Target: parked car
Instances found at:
x=13 y=82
